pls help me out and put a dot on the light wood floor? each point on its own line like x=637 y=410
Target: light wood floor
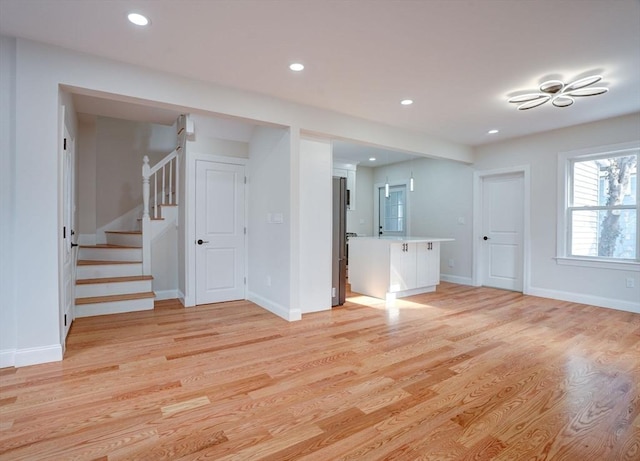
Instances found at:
x=465 y=373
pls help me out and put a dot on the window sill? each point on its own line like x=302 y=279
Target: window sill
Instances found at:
x=632 y=266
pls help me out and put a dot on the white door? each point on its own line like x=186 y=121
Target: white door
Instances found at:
x=220 y=232
x=392 y=211
x=502 y=231
x=68 y=249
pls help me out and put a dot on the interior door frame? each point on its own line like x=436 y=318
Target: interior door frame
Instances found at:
x=478 y=183
x=376 y=205
x=65 y=235
x=189 y=298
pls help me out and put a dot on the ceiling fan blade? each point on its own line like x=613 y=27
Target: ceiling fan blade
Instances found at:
x=534 y=103
x=581 y=83
x=527 y=97
x=588 y=91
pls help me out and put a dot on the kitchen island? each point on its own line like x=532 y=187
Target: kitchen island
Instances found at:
x=394 y=267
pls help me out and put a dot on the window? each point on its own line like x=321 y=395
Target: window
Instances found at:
x=599 y=216
x=393 y=211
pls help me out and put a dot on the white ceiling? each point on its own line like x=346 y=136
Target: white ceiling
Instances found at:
x=459 y=60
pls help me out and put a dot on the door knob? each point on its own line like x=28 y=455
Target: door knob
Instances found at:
x=485 y=238
x=200 y=241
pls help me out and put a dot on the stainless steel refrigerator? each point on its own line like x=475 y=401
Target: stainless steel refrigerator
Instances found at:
x=339 y=235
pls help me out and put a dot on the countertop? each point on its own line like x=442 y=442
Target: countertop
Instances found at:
x=404 y=239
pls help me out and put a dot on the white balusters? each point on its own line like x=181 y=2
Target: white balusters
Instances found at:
x=146 y=172
x=163 y=173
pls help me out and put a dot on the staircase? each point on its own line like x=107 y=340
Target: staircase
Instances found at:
x=110 y=278
x=115 y=277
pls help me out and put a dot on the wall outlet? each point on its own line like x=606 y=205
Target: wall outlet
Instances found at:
x=268 y=280
x=451 y=262
x=631 y=282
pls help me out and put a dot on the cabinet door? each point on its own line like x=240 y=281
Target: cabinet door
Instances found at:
x=428 y=264
x=402 y=271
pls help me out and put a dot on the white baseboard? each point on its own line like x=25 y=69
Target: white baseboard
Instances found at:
x=609 y=303
x=7 y=358
x=456 y=279
x=37 y=355
x=166 y=294
x=275 y=308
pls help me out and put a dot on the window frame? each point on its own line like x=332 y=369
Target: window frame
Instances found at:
x=566 y=160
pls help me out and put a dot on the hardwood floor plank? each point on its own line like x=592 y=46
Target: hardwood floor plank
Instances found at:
x=461 y=373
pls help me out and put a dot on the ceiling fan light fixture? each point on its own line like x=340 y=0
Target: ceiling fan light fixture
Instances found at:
x=534 y=103
x=581 y=83
x=559 y=93
x=527 y=97
x=562 y=101
x=552 y=86
x=594 y=91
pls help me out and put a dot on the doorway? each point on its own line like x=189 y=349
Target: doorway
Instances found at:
x=392 y=216
x=501 y=229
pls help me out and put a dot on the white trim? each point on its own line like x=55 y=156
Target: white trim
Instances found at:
x=591 y=300
x=37 y=355
x=598 y=263
x=275 y=308
x=562 y=228
x=457 y=279
x=478 y=177
x=167 y=294
x=7 y=358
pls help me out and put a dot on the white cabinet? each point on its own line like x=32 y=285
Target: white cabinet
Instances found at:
x=381 y=267
x=402 y=267
x=428 y=263
x=413 y=265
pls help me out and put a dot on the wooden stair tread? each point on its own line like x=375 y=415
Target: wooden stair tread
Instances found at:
x=92 y=262
x=124 y=232
x=108 y=246
x=114 y=298
x=131 y=278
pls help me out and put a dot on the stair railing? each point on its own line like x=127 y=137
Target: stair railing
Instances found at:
x=164 y=176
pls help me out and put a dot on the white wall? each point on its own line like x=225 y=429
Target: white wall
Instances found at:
x=360 y=220
x=443 y=193
x=8 y=339
x=269 y=240
x=315 y=225
x=602 y=287
x=40 y=70
x=86 y=185
x=120 y=147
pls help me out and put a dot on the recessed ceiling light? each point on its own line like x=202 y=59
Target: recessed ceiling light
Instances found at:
x=138 y=19
x=296 y=67
x=372 y=159
x=492 y=131
x=406 y=102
